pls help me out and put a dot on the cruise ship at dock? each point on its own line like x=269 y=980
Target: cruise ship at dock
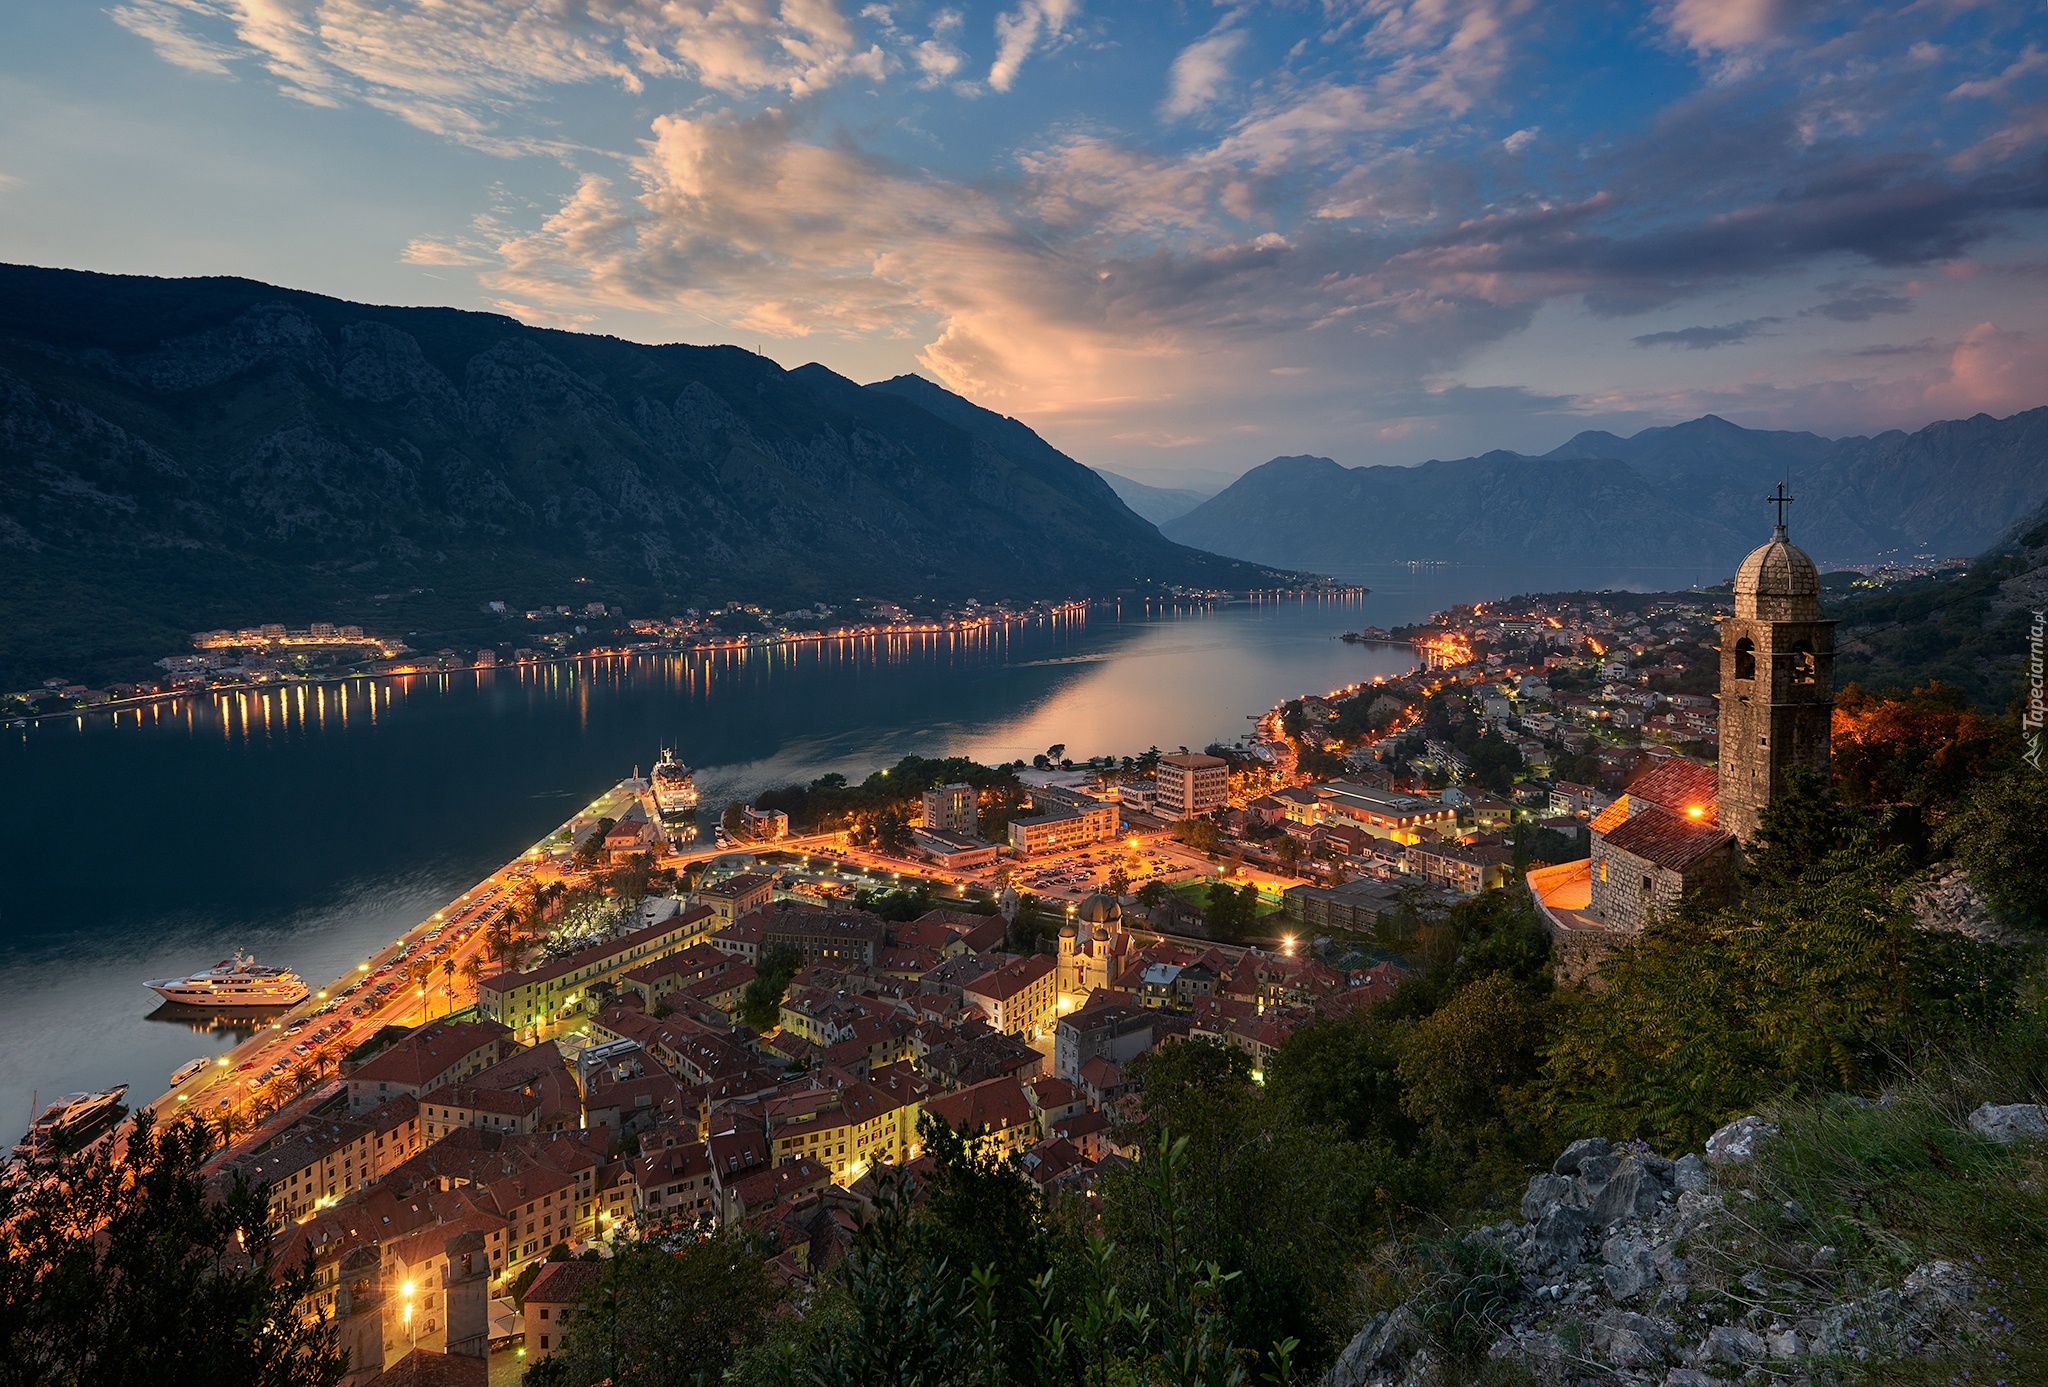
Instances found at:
x=675 y=787
x=236 y=983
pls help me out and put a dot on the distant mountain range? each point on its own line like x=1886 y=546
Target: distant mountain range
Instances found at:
x=182 y=454
x=1691 y=494
x=1157 y=504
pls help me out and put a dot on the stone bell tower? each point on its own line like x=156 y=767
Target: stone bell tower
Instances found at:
x=1777 y=678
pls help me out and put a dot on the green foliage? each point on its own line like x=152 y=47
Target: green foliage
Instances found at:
x=1460 y=1064
x=668 y=1317
x=830 y=802
x=1714 y=1011
x=761 y=1001
x=1231 y=910
x=1469 y=1289
x=1199 y=834
x=1797 y=831
x=2000 y=834
x=124 y=1269
x=1267 y=1196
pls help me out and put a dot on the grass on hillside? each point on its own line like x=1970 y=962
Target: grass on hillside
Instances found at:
x=1902 y=1182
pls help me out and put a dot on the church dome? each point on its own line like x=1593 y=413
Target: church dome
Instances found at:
x=1778 y=582
x=1099 y=909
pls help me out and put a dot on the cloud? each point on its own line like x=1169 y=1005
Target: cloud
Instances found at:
x=1994 y=370
x=1521 y=139
x=1699 y=339
x=1924 y=347
x=1199 y=74
x=454 y=67
x=2033 y=59
x=1022 y=31
x=1710 y=26
x=1858 y=303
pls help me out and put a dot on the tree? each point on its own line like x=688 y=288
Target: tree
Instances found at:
x=2001 y=836
x=1152 y=894
x=1458 y=1063
x=1117 y=883
x=734 y=820
x=1232 y=911
x=1199 y=834
x=669 y=1317
x=124 y=1269
x=1802 y=824
x=761 y=1002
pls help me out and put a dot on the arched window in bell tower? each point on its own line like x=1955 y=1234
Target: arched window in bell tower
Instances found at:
x=1745 y=658
x=1804 y=667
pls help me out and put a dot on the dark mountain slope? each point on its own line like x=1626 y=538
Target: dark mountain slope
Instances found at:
x=177 y=454
x=1157 y=504
x=1501 y=507
x=1686 y=494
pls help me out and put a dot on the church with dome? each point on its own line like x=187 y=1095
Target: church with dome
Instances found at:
x=1680 y=828
x=1093 y=946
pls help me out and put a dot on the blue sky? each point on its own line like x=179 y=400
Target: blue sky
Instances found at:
x=1176 y=239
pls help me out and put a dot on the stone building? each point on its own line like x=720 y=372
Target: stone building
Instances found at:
x=1777 y=681
x=1678 y=830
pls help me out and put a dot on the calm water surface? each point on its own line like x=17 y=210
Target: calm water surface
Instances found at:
x=310 y=825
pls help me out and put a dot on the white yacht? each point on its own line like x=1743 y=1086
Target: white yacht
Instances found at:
x=231 y=983
x=70 y=1121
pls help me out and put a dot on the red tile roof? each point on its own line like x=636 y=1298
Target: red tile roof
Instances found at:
x=997 y=1104
x=560 y=1283
x=428 y=1052
x=1666 y=839
x=1680 y=786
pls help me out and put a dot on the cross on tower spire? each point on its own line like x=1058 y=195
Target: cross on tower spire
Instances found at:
x=1779 y=499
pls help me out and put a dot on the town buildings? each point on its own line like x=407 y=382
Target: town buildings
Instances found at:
x=1190 y=783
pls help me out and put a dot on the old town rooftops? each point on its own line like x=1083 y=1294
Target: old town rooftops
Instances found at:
x=428 y=1052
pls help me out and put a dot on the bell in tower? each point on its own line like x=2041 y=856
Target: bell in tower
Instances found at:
x=1777 y=678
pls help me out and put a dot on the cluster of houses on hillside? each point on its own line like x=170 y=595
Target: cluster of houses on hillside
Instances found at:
x=616 y=1088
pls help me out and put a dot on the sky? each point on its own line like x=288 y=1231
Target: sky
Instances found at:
x=1176 y=239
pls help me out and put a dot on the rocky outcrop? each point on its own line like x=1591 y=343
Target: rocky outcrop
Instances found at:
x=1639 y=1269
x=2009 y=1122
x=1946 y=900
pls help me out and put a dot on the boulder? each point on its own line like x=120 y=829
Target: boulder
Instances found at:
x=1631 y=1267
x=1556 y=1238
x=1739 y=1142
x=1688 y=1377
x=1731 y=1344
x=1689 y=1175
x=1544 y=1191
x=1782 y=1343
x=1386 y=1339
x=2007 y=1122
x=1631 y=1341
x=1568 y=1163
x=1631 y=1192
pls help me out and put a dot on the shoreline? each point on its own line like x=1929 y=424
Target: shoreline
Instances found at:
x=769 y=641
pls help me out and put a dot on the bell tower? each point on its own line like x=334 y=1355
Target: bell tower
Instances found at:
x=1777 y=678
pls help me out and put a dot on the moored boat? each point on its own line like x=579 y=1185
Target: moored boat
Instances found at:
x=71 y=1121
x=233 y=983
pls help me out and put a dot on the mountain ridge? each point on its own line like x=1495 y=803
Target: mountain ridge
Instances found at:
x=1687 y=494
x=180 y=454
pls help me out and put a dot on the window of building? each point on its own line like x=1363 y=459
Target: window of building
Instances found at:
x=1745 y=658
